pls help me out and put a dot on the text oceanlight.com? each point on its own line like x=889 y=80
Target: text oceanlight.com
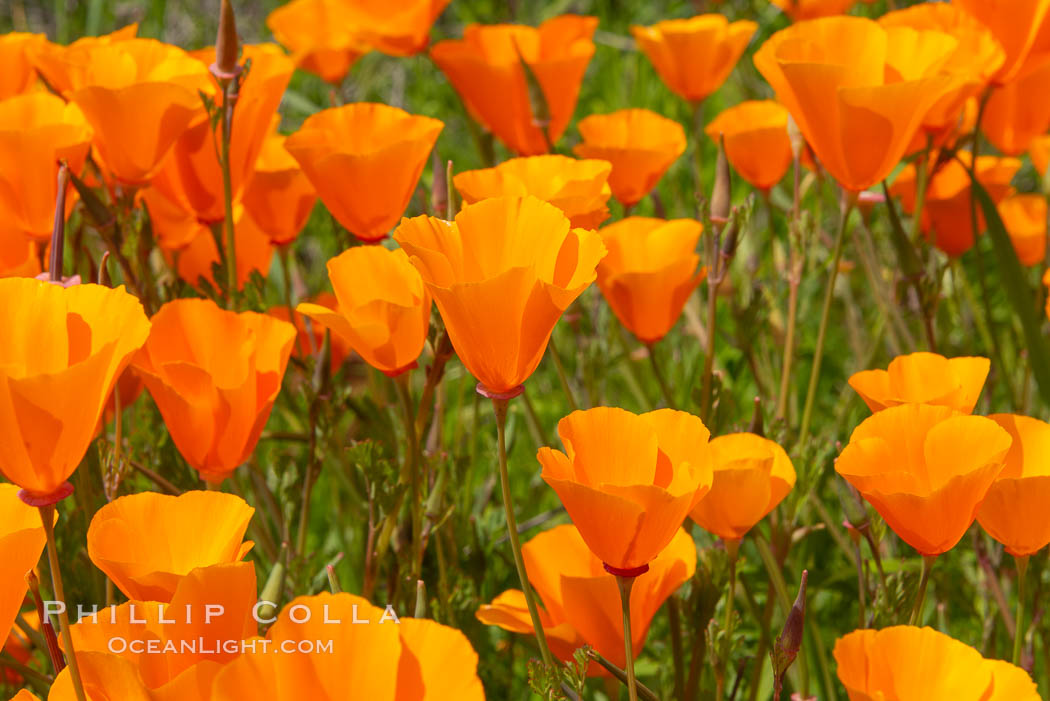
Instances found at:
x=202 y=646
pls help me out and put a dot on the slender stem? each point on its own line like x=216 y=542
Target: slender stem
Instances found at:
x=664 y=389
x=625 y=584
x=818 y=353
x=562 y=377
x=285 y=254
x=674 y=619
x=732 y=550
x=698 y=137
x=789 y=337
x=920 y=599
x=862 y=585
x=228 y=98
x=1021 y=561
x=47 y=517
x=644 y=692
x=404 y=394
x=714 y=278
x=921 y=173
x=500 y=408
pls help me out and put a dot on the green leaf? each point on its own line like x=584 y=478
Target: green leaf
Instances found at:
x=1022 y=298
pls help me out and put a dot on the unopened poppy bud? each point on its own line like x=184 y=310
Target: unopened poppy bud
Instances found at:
x=789 y=642
x=852 y=506
x=58 y=233
x=225 y=66
x=756 y=426
x=796 y=138
x=722 y=192
x=731 y=239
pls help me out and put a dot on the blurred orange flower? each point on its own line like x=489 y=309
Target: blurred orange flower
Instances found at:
x=756 y=140
x=629 y=480
x=1016 y=24
x=501 y=275
x=858 y=92
x=581 y=602
x=124 y=534
x=946 y=220
x=907 y=662
x=16 y=56
x=309 y=342
x=109 y=677
x=641 y=145
x=68 y=68
x=214 y=375
x=1039 y=152
x=320 y=36
x=650 y=272
x=923 y=378
x=364 y=160
x=1019 y=112
x=694 y=56
x=926 y=469
x=21 y=542
x=384 y=308
x=752 y=475
x=1014 y=512
x=800 y=10
x=37 y=131
x=416 y=660
x=485 y=69
x=195 y=259
x=579 y=188
x=1024 y=217
x=138 y=96
x=18 y=255
x=395 y=27
x=63 y=350
x=279 y=196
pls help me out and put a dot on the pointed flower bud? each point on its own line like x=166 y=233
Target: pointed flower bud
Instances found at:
x=723 y=189
x=789 y=642
x=795 y=136
x=225 y=66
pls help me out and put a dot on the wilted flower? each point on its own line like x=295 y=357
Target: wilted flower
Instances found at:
x=279 y=196
x=756 y=140
x=923 y=378
x=320 y=36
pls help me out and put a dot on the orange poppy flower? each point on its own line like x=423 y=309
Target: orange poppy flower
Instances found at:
x=123 y=536
x=1019 y=112
x=579 y=188
x=800 y=10
x=752 y=475
x=18 y=255
x=1024 y=217
x=485 y=69
x=21 y=542
x=214 y=375
x=650 y=272
x=37 y=131
x=1014 y=511
x=694 y=56
x=63 y=350
x=926 y=469
x=310 y=340
x=416 y=660
x=138 y=97
x=641 y=145
x=923 y=378
x=194 y=160
x=756 y=140
x=911 y=663
x=319 y=35
x=857 y=91
x=384 y=308
x=628 y=480
x=364 y=160
x=25 y=695
x=16 y=56
x=196 y=258
x=279 y=196
x=1039 y=152
x=1016 y=24
x=395 y=27
x=109 y=677
x=946 y=220
x=581 y=602
x=68 y=68
x=20 y=648
x=501 y=275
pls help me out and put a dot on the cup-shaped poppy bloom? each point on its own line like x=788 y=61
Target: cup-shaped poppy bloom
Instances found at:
x=67 y=68
x=124 y=534
x=279 y=196
x=214 y=375
x=21 y=542
x=1014 y=512
x=1018 y=112
x=752 y=475
x=485 y=69
x=629 y=480
x=756 y=140
x=364 y=160
x=926 y=469
x=581 y=602
x=502 y=274
x=923 y=378
x=37 y=130
x=857 y=91
x=640 y=144
x=384 y=308
x=1017 y=25
x=319 y=35
x=16 y=56
x=395 y=27
x=650 y=272
x=194 y=157
x=1024 y=217
x=921 y=664
x=415 y=660
x=579 y=188
x=139 y=97
x=946 y=220
x=63 y=350
x=694 y=56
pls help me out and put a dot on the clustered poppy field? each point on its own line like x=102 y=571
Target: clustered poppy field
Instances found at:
x=446 y=350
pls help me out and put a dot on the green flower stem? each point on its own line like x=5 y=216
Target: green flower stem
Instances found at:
x=1021 y=561
x=924 y=581
x=625 y=584
x=47 y=517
